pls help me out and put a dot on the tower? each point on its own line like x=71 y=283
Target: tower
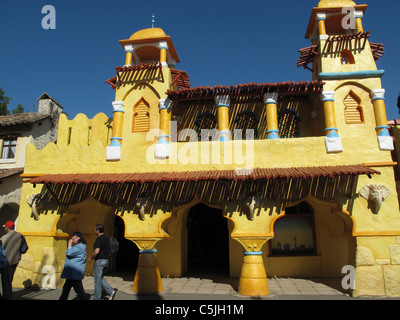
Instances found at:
x=343 y=57
x=141 y=84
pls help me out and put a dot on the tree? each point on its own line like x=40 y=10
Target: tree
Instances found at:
x=18 y=109
x=3 y=103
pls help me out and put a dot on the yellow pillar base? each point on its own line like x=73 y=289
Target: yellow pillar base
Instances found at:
x=253 y=278
x=147 y=277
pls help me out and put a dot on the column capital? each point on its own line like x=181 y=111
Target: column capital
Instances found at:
x=222 y=101
x=377 y=94
x=165 y=104
x=271 y=97
x=118 y=106
x=320 y=16
x=358 y=14
x=129 y=47
x=327 y=96
x=163 y=45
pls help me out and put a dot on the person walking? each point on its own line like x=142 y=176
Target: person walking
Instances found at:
x=74 y=267
x=3 y=262
x=12 y=243
x=101 y=255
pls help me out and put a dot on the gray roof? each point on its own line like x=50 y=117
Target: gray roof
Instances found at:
x=22 y=119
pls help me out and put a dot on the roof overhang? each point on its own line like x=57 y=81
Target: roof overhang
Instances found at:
x=239 y=174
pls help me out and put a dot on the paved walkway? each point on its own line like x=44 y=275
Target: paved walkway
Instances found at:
x=217 y=285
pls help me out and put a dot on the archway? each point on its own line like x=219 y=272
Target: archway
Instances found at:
x=312 y=238
x=126 y=259
x=207 y=241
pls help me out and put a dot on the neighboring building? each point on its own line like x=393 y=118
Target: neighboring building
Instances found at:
x=312 y=192
x=16 y=131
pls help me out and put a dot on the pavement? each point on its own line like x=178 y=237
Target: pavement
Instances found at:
x=204 y=288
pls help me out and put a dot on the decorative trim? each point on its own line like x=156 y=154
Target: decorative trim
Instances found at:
x=165 y=104
x=162 y=138
x=273 y=134
x=118 y=106
x=384 y=132
x=320 y=16
x=327 y=96
x=350 y=75
x=252 y=253
x=333 y=133
x=377 y=94
x=222 y=101
x=163 y=45
x=271 y=97
x=148 y=251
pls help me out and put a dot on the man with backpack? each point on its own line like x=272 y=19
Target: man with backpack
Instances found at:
x=14 y=245
x=101 y=255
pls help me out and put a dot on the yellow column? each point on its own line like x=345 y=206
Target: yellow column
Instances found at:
x=358 y=17
x=147 y=277
x=113 y=151
x=270 y=101
x=162 y=147
x=222 y=103
x=333 y=141
x=382 y=129
x=163 y=45
x=129 y=55
x=253 y=278
x=321 y=16
x=118 y=122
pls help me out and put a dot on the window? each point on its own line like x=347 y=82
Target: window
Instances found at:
x=141 y=117
x=247 y=120
x=353 y=112
x=346 y=57
x=9 y=147
x=288 y=124
x=294 y=233
x=208 y=122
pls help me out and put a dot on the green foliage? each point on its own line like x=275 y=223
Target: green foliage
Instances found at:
x=4 y=101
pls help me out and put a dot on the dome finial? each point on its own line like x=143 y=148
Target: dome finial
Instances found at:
x=153 y=21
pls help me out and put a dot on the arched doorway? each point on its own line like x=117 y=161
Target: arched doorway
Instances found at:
x=207 y=241
x=126 y=259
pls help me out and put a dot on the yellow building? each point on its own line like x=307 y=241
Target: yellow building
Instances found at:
x=254 y=180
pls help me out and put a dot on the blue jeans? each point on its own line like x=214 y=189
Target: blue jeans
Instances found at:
x=99 y=281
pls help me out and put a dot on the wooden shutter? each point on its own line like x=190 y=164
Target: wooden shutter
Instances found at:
x=141 y=117
x=353 y=112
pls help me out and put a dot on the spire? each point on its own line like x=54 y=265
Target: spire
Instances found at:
x=153 y=21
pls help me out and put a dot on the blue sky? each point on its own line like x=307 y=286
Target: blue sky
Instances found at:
x=219 y=42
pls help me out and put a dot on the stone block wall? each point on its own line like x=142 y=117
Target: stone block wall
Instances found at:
x=377 y=277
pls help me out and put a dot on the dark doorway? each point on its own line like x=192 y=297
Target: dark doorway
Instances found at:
x=207 y=240
x=126 y=259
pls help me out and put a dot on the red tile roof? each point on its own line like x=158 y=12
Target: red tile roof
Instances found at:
x=255 y=174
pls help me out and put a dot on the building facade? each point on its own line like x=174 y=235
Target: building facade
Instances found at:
x=16 y=131
x=253 y=180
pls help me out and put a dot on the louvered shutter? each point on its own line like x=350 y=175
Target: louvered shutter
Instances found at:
x=141 y=117
x=353 y=112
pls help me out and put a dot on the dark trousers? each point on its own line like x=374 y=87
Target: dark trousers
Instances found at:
x=7 y=276
x=78 y=288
